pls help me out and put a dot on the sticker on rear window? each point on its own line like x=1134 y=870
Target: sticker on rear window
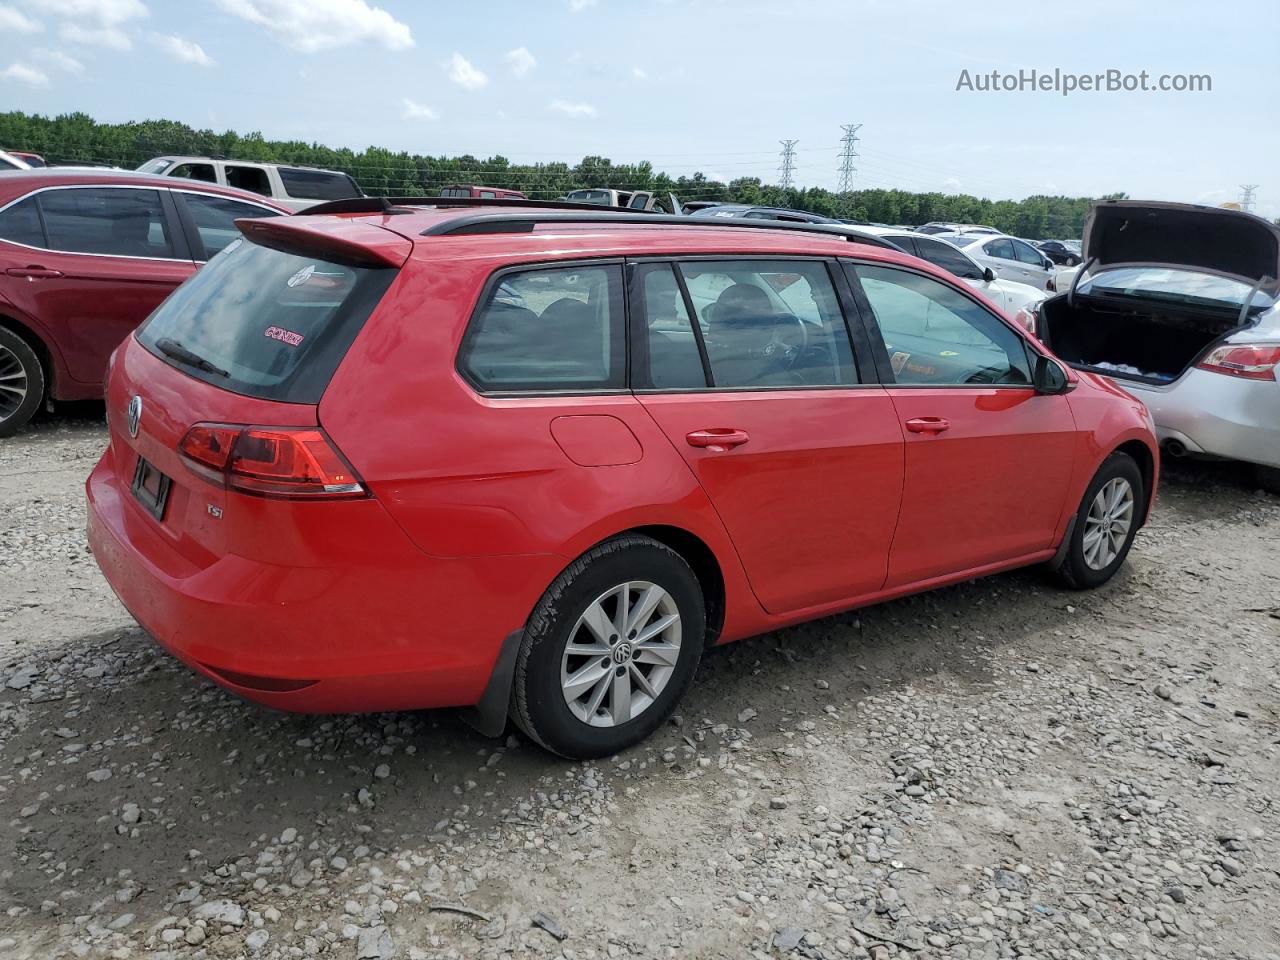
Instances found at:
x=284 y=336
x=302 y=276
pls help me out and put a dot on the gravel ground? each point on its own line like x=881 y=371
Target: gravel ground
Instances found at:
x=998 y=769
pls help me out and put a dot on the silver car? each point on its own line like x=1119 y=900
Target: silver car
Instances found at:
x=1180 y=304
x=1009 y=257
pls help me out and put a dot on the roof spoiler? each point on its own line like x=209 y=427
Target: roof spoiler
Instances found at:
x=382 y=248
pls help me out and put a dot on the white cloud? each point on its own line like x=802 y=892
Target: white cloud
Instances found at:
x=520 y=60
x=573 y=109
x=417 y=111
x=577 y=6
x=640 y=73
x=59 y=60
x=15 y=21
x=464 y=74
x=312 y=25
x=21 y=73
x=184 y=51
x=112 y=37
x=104 y=12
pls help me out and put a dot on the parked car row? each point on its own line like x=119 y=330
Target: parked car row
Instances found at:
x=292 y=186
x=666 y=416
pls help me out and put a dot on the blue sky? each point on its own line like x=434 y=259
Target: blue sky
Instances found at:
x=708 y=85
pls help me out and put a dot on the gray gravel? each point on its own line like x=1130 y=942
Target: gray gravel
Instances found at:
x=999 y=769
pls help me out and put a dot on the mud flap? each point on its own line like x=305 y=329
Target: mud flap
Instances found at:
x=489 y=716
x=1060 y=557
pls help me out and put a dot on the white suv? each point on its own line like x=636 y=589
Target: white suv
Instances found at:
x=294 y=187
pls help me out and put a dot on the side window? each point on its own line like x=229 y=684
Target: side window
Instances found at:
x=215 y=219
x=21 y=224
x=107 y=220
x=488 y=195
x=770 y=323
x=550 y=329
x=195 y=171
x=253 y=179
x=1026 y=254
x=316 y=184
x=908 y=245
x=947 y=257
x=937 y=336
x=674 y=360
x=1001 y=248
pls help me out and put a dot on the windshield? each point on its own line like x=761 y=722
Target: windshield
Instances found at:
x=1179 y=286
x=265 y=323
x=590 y=196
x=157 y=165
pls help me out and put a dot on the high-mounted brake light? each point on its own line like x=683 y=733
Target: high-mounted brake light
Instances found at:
x=1248 y=360
x=270 y=461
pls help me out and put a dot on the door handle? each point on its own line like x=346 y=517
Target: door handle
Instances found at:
x=34 y=272
x=718 y=440
x=928 y=424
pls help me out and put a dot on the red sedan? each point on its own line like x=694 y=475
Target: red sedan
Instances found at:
x=536 y=461
x=84 y=257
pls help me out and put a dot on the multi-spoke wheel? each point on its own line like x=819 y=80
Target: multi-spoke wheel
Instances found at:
x=610 y=649
x=21 y=382
x=1105 y=524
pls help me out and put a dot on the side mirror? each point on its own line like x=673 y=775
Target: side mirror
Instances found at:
x=1049 y=377
x=989 y=275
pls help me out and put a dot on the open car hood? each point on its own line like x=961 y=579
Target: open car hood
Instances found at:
x=1182 y=235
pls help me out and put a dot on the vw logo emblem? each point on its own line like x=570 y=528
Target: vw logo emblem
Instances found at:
x=622 y=653
x=134 y=414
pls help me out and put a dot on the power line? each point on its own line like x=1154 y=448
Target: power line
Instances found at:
x=1246 y=196
x=848 y=154
x=788 y=167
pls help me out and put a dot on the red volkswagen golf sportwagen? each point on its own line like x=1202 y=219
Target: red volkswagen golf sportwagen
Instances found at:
x=536 y=460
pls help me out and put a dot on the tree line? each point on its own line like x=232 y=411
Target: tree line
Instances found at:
x=75 y=137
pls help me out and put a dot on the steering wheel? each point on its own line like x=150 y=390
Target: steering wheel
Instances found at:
x=795 y=349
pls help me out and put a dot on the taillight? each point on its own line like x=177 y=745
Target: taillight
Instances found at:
x=1248 y=360
x=1026 y=318
x=270 y=461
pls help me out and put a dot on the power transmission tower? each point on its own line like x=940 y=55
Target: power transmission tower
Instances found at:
x=788 y=168
x=848 y=154
x=1246 y=196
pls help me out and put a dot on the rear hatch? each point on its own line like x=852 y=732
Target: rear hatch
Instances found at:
x=251 y=341
x=1166 y=283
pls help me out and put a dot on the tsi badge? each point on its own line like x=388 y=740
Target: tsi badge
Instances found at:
x=134 y=414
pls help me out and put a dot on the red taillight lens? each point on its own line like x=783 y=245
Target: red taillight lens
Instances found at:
x=270 y=461
x=1250 y=361
x=1027 y=318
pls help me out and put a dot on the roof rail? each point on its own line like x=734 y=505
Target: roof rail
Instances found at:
x=518 y=222
x=380 y=204
x=521 y=216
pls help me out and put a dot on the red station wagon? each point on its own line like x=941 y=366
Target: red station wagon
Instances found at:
x=84 y=257
x=535 y=461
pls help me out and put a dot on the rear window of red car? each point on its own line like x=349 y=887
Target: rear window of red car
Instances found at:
x=265 y=323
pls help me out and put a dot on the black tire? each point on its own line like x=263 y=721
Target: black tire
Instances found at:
x=17 y=359
x=538 y=704
x=1073 y=261
x=1268 y=478
x=1075 y=571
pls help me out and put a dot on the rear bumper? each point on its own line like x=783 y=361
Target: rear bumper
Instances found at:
x=410 y=632
x=1217 y=415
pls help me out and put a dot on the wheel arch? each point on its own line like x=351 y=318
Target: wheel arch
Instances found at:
x=1145 y=459
x=38 y=345
x=706 y=567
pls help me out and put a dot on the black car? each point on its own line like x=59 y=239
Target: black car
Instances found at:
x=1059 y=253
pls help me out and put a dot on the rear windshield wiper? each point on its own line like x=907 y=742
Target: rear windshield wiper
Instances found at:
x=172 y=348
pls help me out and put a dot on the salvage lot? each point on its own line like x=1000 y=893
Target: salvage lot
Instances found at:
x=997 y=769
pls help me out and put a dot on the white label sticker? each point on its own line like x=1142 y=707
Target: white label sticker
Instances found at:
x=302 y=276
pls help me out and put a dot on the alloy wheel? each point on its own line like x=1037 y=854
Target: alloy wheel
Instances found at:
x=1107 y=525
x=14 y=383
x=621 y=654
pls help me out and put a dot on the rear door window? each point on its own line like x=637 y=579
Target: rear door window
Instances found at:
x=253 y=179
x=215 y=218
x=936 y=336
x=111 y=221
x=317 y=184
x=770 y=323
x=20 y=223
x=547 y=330
x=203 y=172
x=266 y=323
